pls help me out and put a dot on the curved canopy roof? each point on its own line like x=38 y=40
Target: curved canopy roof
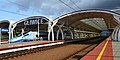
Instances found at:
x=90 y=20
x=32 y=18
x=31 y=23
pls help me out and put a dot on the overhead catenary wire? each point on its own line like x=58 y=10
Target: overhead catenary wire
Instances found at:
x=66 y=4
x=75 y=4
x=22 y=5
x=13 y=12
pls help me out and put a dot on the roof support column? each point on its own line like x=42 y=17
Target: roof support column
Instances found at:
x=118 y=37
x=116 y=33
x=73 y=33
x=38 y=30
x=22 y=34
x=60 y=30
x=51 y=24
x=11 y=28
x=9 y=32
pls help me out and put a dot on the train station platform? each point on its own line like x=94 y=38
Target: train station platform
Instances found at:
x=10 y=47
x=106 y=50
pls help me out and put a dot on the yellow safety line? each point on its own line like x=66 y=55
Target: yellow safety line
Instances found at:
x=102 y=51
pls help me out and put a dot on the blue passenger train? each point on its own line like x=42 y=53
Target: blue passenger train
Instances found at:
x=29 y=36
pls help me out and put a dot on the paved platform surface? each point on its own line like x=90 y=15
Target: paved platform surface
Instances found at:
x=106 y=50
x=116 y=50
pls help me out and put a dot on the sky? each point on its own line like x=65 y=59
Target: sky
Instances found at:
x=15 y=10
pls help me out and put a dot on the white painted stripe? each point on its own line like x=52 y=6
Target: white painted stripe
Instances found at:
x=29 y=47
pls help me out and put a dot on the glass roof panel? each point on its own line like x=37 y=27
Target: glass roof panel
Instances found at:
x=97 y=23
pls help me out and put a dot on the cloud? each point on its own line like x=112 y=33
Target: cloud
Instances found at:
x=108 y=4
x=56 y=8
x=104 y=4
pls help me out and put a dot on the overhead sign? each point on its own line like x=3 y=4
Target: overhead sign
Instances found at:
x=34 y=22
x=31 y=22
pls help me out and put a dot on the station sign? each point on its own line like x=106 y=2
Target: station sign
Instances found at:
x=35 y=21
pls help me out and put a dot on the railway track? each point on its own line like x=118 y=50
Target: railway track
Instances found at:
x=25 y=52
x=59 y=53
x=79 y=54
x=71 y=51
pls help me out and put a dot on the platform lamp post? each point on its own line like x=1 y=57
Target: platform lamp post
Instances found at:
x=49 y=30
